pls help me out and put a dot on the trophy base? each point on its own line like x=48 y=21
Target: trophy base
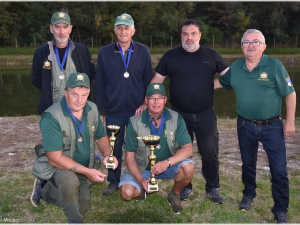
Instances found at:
x=110 y=165
x=152 y=187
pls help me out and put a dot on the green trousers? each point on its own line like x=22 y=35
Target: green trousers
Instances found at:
x=70 y=191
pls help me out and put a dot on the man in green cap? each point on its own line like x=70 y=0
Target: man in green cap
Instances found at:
x=124 y=70
x=172 y=153
x=64 y=167
x=54 y=61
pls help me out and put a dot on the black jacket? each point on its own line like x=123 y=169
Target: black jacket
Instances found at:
x=42 y=78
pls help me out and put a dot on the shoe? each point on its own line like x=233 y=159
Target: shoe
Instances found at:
x=111 y=188
x=280 y=218
x=215 y=196
x=36 y=195
x=142 y=196
x=174 y=202
x=71 y=221
x=185 y=193
x=246 y=203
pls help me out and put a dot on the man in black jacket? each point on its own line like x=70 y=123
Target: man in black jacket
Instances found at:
x=54 y=61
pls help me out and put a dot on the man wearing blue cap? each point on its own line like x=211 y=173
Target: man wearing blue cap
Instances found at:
x=124 y=70
x=54 y=61
x=64 y=168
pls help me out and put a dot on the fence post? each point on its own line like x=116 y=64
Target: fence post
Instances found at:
x=151 y=42
x=274 y=42
x=16 y=41
x=296 y=42
x=92 y=42
x=34 y=41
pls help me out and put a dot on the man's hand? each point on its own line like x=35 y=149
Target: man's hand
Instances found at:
x=115 y=161
x=141 y=109
x=95 y=176
x=160 y=167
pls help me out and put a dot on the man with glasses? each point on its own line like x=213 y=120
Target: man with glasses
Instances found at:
x=172 y=153
x=191 y=68
x=260 y=82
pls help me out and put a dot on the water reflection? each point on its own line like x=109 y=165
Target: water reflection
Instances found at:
x=20 y=98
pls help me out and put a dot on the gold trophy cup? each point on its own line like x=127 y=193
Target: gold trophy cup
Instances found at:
x=112 y=129
x=152 y=141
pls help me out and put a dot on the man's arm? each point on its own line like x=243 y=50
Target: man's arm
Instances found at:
x=158 y=78
x=217 y=84
x=60 y=161
x=224 y=71
x=289 y=125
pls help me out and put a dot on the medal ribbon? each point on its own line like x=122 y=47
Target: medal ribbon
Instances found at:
x=61 y=65
x=122 y=55
x=160 y=126
x=79 y=129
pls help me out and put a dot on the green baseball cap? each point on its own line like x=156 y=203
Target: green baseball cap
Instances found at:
x=124 y=19
x=155 y=88
x=60 y=17
x=78 y=79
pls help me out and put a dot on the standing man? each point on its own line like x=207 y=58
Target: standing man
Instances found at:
x=54 y=61
x=70 y=128
x=124 y=70
x=260 y=82
x=172 y=153
x=191 y=69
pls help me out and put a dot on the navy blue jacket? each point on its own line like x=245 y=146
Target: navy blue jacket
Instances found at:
x=118 y=95
x=42 y=78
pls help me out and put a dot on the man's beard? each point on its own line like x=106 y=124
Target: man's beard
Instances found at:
x=190 y=48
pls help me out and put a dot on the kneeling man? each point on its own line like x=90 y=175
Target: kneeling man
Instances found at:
x=172 y=153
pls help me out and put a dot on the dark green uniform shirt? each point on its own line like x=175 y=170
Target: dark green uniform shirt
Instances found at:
x=53 y=139
x=181 y=135
x=259 y=92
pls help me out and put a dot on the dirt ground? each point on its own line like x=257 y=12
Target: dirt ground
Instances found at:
x=19 y=135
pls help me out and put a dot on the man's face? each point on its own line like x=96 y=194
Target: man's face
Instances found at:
x=251 y=52
x=61 y=32
x=76 y=98
x=190 y=38
x=124 y=33
x=156 y=104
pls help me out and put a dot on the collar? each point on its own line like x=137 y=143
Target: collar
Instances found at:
x=145 y=113
x=86 y=108
x=116 y=49
x=263 y=62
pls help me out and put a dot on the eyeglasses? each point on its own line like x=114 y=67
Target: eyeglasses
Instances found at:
x=159 y=99
x=254 y=43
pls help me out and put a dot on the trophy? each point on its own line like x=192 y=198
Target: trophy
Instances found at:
x=112 y=129
x=152 y=141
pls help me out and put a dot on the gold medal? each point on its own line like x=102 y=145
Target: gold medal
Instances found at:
x=126 y=74
x=80 y=139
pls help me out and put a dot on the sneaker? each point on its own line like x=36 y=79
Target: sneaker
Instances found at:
x=71 y=221
x=215 y=196
x=111 y=188
x=185 y=193
x=174 y=202
x=280 y=218
x=36 y=195
x=142 y=196
x=246 y=203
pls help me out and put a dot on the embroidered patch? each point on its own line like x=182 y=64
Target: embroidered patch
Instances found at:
x=47 y=65
x=263 y=76
x=288 y=81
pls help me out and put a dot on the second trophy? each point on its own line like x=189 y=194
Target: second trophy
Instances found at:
x=152 y=141
x=112 y=129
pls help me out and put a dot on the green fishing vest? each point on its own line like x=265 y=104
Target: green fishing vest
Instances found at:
x=42 y=168
x=142 y=152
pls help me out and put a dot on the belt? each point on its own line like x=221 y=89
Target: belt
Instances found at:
x=262 y=122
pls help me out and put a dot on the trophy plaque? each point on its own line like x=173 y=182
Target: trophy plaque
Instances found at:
x=152 y=141
x=112 y=129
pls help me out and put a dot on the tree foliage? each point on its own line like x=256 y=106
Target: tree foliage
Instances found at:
x=27 y=23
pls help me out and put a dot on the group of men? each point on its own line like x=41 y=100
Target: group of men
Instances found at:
x=129 y=96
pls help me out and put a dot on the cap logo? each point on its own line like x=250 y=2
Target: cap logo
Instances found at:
x=61 y=15
x=79 y=77
x=123 y=17
x=156 y=86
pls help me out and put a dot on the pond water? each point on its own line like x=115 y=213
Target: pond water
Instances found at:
x=20 y=98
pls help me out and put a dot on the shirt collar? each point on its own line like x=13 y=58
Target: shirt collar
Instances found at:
x=146 y=112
